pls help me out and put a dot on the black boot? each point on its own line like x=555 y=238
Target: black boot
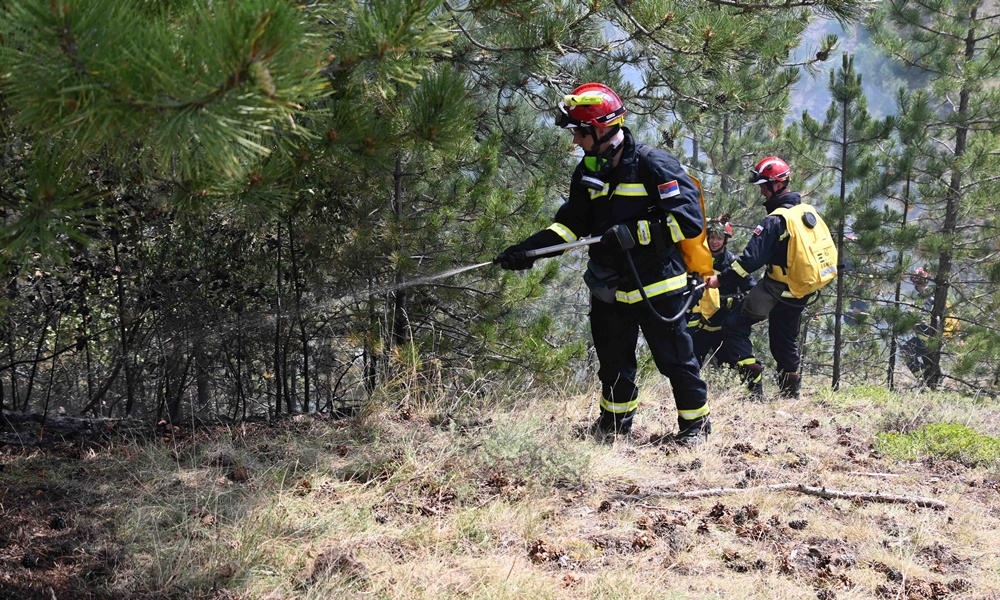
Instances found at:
x=788 y=384
x=693 y=433
x=752 y=375
x=609 y=426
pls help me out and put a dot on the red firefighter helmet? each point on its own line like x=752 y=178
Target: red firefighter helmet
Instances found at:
x=770 y=169
x=591 y=105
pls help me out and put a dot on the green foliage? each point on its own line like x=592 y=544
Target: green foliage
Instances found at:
x=518 y=452
x=942 y=440
x=848 y=132
x=255 y=197
x=198 y=89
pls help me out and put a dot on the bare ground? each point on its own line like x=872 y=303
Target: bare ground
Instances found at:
x=749 y=515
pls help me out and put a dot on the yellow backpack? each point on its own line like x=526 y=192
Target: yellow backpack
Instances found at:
x=812 y=253
x=698 y=259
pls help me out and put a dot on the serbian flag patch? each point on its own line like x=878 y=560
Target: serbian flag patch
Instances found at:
x=758 y=230
x=668 y=189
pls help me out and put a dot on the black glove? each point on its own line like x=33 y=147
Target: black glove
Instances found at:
x=514 y=258
x=622 y=235
x=694 y=290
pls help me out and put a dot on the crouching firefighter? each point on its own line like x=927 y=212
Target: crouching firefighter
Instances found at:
x=795 y=245
x=639 y=196
x=706 y=329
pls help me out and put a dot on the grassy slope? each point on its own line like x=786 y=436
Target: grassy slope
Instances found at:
x=510 y=502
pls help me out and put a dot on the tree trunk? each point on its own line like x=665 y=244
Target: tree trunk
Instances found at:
x=303 y=332
x=942 y=279
x=838 y=310
x=893 y=345
x=123 y=333
x=278 y=376
x=399 y=320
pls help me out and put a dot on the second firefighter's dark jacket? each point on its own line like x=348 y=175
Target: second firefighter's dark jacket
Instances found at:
x=649 y=186
x=721 y=262
x=767 y=246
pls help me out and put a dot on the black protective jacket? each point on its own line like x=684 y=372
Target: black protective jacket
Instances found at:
x=650 y=188
x=767 y=246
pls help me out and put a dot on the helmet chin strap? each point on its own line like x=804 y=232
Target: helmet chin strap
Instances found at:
x=613 y=140
x=598 y=162
x=775 y=192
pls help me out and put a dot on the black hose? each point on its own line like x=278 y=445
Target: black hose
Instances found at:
x=649 y=303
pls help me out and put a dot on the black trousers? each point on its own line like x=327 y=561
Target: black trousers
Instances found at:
x=784 y=320
x=706 y=343
x=917 y=356
x=615 y=327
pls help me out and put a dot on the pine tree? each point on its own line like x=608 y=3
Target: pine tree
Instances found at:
x=849 y=132
x=956 y=45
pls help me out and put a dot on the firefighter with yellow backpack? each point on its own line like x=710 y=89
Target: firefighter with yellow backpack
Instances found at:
x=650 y=215
x=795 y=245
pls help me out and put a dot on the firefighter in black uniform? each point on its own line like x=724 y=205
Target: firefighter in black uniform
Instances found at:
x=706 y=334
x=622 y=182
x=770 y=298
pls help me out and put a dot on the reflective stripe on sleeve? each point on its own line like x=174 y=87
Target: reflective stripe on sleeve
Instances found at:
x=563 y=231
x=738 y=268
x=654 y=289
x=619 y=407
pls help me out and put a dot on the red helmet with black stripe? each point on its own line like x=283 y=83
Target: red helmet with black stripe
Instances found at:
x=591 y=105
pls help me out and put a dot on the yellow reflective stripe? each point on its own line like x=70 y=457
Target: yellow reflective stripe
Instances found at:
x=746 y=361
x=691 y=415
x=711 y=327
x=654 y=289
x=675 y=229
x=695 y=324
x=618 y=407
x=598 y=193
x=630 y=189
x=736 y=266
x=642 y=228
x=563 y=231
x=787 y=294
x=783 y=236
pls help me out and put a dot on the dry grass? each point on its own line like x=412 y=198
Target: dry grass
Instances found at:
x=505 y=499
